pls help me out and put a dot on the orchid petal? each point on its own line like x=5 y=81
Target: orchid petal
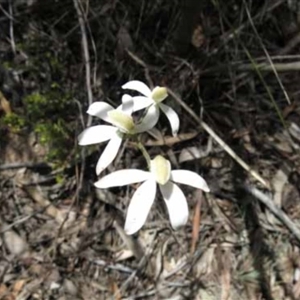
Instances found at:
x=109 y=154
x=138 y=86
x=140 y=206
x=189 y=178
x=176 y=204
x=172 y=117
x=141 y=102
x=122 y=177
x=127 y=105
x=100 y=109
x=96 y=134
x=149 y=121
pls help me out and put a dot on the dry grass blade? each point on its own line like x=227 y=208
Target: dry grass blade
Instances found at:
x=196 y=221
x=279 y=67
x=267 y=54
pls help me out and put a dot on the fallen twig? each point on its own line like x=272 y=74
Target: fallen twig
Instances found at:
x=23 y=165
x=269 y=203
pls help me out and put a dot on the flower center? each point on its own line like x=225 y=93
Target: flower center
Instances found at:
x=159 y=94
x=161 y=169
x=121 y=120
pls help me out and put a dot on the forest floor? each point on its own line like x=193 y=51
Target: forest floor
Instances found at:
x=232 y=70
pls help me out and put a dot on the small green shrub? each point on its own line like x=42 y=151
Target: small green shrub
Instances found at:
x=15 y=122
x=47 y=115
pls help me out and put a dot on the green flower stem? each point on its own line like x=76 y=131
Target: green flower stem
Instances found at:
x=144 y=152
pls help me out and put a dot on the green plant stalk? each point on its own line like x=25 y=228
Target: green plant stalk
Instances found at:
x=144 y=152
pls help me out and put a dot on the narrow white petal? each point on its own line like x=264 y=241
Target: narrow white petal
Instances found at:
x=109 y=154
x=138 y=86
x=176 y=204
x=99 y=109
x=189 y=178
x=122 y=177
x=141 y=102
x=140 y=206
x=96 y=134
x=172 y=117
x=150 y=119
x=127 y=105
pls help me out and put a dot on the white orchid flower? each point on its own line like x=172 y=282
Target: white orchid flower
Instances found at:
x=153 y=99
x=122 y=123
x=142 y=200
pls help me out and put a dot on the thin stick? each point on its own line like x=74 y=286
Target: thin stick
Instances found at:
x=22 y=165
x=255 y=66
x=11 y=28
x=269 y=203
x=86 y=55
x=267 y=54
x=279 y=67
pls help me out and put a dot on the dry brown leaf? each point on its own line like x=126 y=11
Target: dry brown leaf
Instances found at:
x=160 y=259
x=296 y=287
x=18 y=286
x=289 y=109
x=4 y=104
x=283 y=142
x=171 y=140
x=3 y=290
x=123 y=254
x=205 y=265
x=278 y=183
x=225 y=275
x=190 y=153
x=196 y=221
x=115 y=290
x=198 y=37
x=70 y=287
x=294 y=130
x=14 y=243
